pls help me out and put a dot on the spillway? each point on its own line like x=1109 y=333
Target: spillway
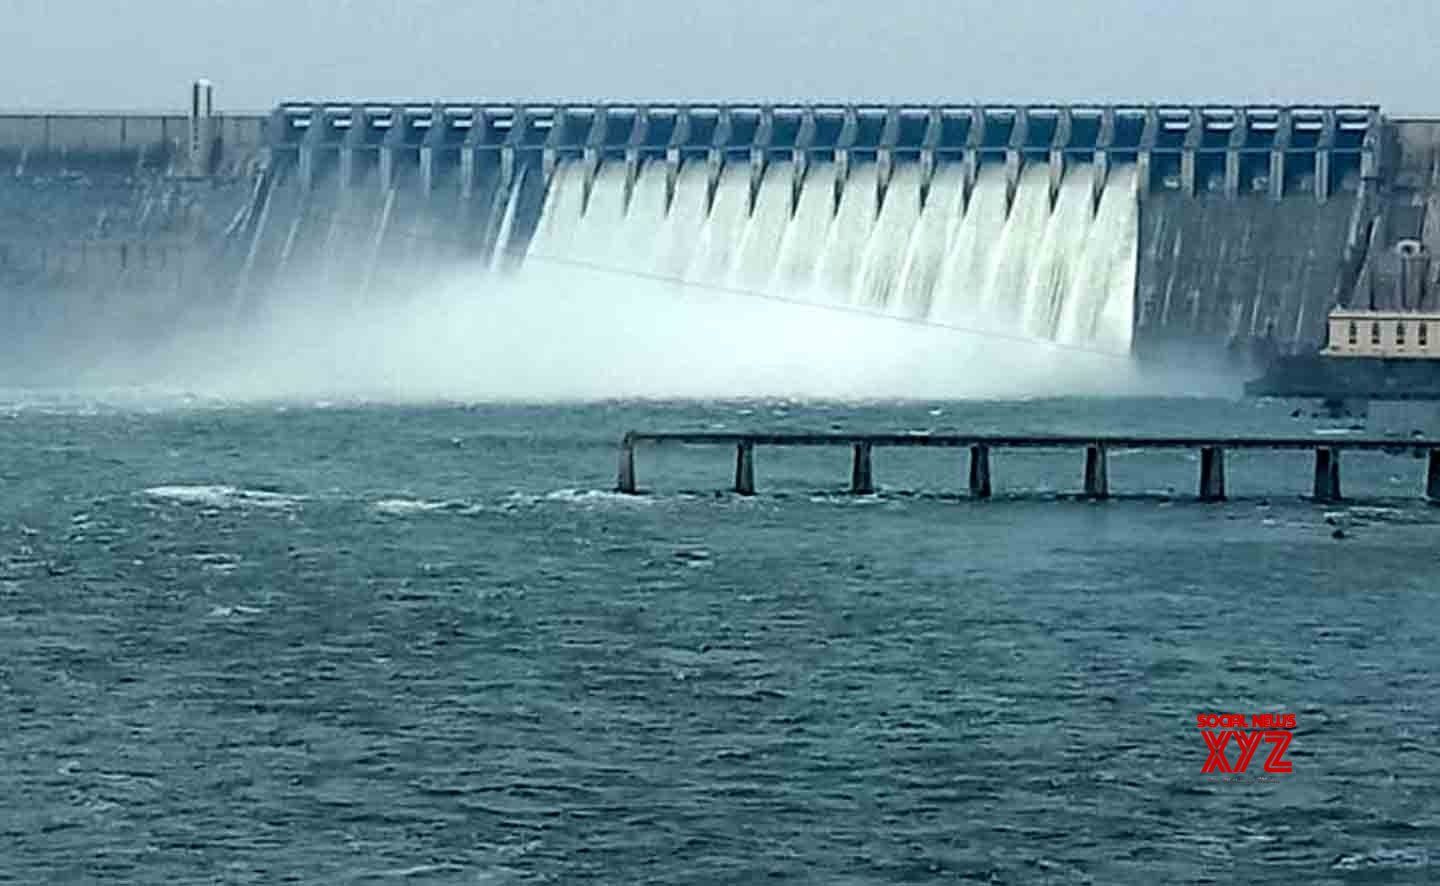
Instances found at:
x=1052 y=261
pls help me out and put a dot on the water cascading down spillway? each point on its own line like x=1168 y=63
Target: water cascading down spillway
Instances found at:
x=1042 y=262
x=1021 y=221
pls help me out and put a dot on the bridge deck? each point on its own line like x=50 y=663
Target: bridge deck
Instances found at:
x=1028 y=441
x=1096 y=475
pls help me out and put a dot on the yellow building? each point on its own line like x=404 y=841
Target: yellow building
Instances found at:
x=1386 y=334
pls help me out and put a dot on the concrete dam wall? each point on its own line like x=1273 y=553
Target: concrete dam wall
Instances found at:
x=1166 y=230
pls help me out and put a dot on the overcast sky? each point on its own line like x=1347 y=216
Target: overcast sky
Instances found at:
x=141 y=54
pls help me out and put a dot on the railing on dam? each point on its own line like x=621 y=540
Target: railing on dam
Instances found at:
x=1278 y=150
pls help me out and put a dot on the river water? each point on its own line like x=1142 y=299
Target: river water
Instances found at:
x=348 y=643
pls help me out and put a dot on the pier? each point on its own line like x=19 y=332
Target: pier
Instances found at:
x=1095 y=477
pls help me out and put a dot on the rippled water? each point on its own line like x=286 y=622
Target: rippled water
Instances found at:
x=377 y=643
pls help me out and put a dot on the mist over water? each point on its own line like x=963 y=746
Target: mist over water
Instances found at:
x=554 y=333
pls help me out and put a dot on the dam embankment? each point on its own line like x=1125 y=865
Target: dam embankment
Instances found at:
x=1170 y=231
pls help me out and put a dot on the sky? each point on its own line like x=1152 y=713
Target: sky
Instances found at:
x=142 y=54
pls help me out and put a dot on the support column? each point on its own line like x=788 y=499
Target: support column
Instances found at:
x=467 y=172
x=1015 y=154
x=862 y=478
x=310 y=144
x=1194 y=141
x=1103 y=144
x=980 y=471
x=745 y=468
x=1322 y=157
x=1327 y=474
x=1212 y=473
x=1432 y=478
x=1064 y=131
x=354 y=140
x=433 y=143
x=1277 y=156
x=974 y=142
x=1239 y=138
x=1148 y=139
x=391 y=147
x=467 y=151
x=1097 y=480
x=626 y=484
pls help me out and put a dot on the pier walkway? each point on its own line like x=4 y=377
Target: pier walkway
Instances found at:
x=1096 y=468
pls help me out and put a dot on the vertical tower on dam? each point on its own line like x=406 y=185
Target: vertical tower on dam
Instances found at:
x=1166 y=230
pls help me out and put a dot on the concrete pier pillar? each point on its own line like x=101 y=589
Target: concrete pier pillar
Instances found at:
x=970 y=171
x=1097 y=479
x=1327 y=474
x=310 y=145
x=1277 y=175
x=973 y=143
x=467 y=172
x=745 y=468
x=1322 y=176
x=1322 y=156
x=1014 y=161
x=980 y=471
x=1187 y=172
x=1194 y=140
x=1432 y=478
x=1104 y=142
x=1149 y=137
x=626 y=482
x=468 y=150
x=432 y=145
x=862 y=477
x=1277 y=155
x=390 y=149
x=1239 y=138
x=1212 y=473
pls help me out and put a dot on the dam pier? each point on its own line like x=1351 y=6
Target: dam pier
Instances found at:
x=1173 y=232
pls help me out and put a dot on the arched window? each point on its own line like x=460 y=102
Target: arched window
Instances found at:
x=1375 y=334
x=1400 y=333
x=1354 y=333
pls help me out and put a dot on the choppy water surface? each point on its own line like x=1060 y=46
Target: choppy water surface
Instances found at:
x=353 y=643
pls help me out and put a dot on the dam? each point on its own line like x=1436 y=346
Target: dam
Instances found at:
x=1174 y=232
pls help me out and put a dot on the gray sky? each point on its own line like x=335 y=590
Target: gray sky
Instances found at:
x=141 y=54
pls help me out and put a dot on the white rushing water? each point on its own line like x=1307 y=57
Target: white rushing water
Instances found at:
x=1046 y=261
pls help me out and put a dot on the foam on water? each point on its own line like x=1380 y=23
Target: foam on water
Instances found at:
x=223 y=496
